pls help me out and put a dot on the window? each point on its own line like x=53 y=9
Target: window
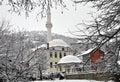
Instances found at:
x=62 y=49
x=51 y=54
x=55 y=54
x=53 y=49
x=64 y=54
x=55 y=63
x=60 y=55
x=51 y=64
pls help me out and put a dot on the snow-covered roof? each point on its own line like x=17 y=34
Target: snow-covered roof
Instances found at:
x=88 y=51
x=58 y=42
x=69 y=59
x=53 y=43
x=43 y=46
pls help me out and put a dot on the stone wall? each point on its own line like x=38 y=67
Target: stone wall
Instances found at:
x=90 y=76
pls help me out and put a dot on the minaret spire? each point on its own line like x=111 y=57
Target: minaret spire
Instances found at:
x=48 y=23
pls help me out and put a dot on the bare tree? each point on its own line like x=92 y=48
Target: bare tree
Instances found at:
x=16 y=59
x=105 y=30
x=41 y=57
x=27 y=6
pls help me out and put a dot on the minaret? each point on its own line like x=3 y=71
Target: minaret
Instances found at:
x=48 y=23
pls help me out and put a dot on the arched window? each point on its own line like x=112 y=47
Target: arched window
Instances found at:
x=53 y=48
x=63 y=49
x=51 y=64
x=64 y=54
x=60 y=55
x=55 y=54
x=55 y=64
x=51 y=55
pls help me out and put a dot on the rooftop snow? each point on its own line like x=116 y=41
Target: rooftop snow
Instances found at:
x=53 y=43
x=88 y=51
x=43 y=46
x=69 y=59
x=58 y=42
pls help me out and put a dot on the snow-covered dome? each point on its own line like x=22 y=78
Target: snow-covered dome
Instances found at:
x=54 y=43
x=69 y=59
x=58 y=42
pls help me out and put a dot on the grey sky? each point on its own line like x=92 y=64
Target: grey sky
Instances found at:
x=62 y=23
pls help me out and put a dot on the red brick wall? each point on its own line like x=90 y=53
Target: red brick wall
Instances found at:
x=96 y=56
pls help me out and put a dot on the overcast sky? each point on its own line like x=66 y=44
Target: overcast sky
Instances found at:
x=62 y=23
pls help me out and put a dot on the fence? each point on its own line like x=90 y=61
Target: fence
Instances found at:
x=84 y=69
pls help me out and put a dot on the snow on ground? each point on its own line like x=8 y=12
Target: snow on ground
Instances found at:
x=71 y=81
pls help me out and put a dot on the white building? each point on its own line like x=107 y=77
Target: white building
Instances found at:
x=69 y=64
x=52 y=51
x=56 y=49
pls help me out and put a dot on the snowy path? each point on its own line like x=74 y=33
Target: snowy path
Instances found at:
x=70 y=81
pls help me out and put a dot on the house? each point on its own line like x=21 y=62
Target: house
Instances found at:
x=91 y=57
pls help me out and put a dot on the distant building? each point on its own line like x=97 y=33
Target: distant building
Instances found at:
x=91 y=57
x=69 y=64
x=56 y=49
x=48 y=55
x=52 y=51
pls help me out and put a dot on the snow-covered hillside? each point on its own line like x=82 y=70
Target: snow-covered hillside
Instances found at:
x=39 y=37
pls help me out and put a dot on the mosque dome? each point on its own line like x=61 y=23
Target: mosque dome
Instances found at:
x=55 y=43
x=69 y=59
x=58 y=42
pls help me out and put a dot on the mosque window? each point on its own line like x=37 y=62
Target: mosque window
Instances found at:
x=60 y=55
x=51 y=64
x=55 y=54
x=50 y=54
x=55 y=63
x=63 y=49
x=53 y=48
x=64 y=54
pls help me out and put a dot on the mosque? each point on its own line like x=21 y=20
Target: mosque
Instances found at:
x=57 y=48
x=54 y=49
x=57 y=56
